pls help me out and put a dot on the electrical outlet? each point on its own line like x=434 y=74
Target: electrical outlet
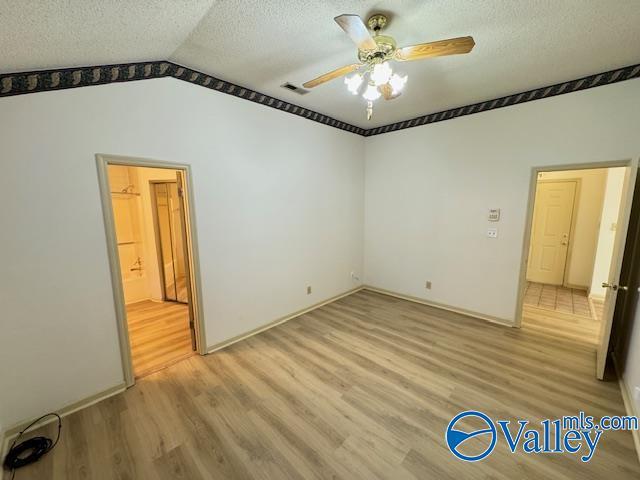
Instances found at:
x=492 y=232
x=354 y=277
x=427 y=285
x=308 y=289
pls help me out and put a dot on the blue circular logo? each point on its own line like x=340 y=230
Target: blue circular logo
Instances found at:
x=456 y=438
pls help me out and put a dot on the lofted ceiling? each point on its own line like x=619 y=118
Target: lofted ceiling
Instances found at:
x=261 y=44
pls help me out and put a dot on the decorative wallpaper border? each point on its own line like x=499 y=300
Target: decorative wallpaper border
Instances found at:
x=46 y=80
x=63 y=78
x=613 y=76
x=204 y=80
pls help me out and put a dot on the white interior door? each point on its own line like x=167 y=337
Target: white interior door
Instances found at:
x=614 y=272
x=552 y=217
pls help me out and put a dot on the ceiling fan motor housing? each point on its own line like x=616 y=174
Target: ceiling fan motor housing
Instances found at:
x=386 y=45
x=386 y=49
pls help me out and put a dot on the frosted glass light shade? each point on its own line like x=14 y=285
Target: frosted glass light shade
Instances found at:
x=381 y=73
x=371 y=93
x=397 y=82
x=353 y=83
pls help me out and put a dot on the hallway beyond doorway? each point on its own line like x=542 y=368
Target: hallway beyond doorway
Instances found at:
x=560 y=299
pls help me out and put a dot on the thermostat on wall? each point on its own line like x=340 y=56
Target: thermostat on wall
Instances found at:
x=494 y=214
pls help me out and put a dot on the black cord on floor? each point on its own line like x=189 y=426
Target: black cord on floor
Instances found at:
x=32 y=449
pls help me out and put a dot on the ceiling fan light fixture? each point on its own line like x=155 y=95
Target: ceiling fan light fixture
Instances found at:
x=371 y=93
x=353 y=83
x=397 y=82
x=381 y=73
x=375 y=54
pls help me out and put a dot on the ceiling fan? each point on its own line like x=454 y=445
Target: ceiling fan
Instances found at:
x=374 y=54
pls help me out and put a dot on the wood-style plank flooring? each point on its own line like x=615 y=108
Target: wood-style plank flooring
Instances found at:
x=362 y=388
x=159 y=335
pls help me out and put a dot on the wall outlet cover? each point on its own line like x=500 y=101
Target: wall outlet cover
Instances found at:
x=492 y=232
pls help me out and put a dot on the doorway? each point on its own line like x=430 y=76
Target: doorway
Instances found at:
x=153 y=258
x=576 y=229
x=169 y=227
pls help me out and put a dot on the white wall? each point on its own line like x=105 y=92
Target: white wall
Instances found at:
x=585 y=222
x=278 y=205
x=607 y=231
x=428 y=190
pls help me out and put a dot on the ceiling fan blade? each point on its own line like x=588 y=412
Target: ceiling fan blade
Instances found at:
x=452 y=46
x=357 y=30
x=387 y=92
x=338 y=72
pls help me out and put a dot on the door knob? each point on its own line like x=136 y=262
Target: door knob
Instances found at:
x=614 y=287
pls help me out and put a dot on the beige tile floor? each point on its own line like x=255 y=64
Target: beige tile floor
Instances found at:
x=559 y=299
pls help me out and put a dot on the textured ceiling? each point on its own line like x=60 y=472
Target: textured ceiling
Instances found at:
x=520 y=44
x=42 y=34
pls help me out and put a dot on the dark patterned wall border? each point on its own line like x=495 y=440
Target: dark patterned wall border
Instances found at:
x=60 y=79
x=204 y=80
x=613 y=76
x=47 y=80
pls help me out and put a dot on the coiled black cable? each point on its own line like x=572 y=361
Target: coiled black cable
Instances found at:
x=32 y=449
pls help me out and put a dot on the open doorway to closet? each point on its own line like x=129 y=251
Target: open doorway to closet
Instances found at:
x=577 y=223
x=150 y=232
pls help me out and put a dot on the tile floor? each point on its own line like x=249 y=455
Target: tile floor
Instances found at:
x=559 y=299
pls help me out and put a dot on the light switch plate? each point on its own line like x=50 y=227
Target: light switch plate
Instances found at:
x=492 y=232
x=494 y=215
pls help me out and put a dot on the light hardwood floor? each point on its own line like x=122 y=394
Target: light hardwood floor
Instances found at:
x=576 y=329
x=159 y=335
x=362 y=388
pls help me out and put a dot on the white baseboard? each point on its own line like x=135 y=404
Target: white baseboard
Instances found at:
x=12 y=432
x=629 y=405
x=461 y=311
x=279 y=321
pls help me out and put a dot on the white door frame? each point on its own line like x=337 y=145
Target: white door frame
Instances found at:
x=526 y=242
x=103 y=161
